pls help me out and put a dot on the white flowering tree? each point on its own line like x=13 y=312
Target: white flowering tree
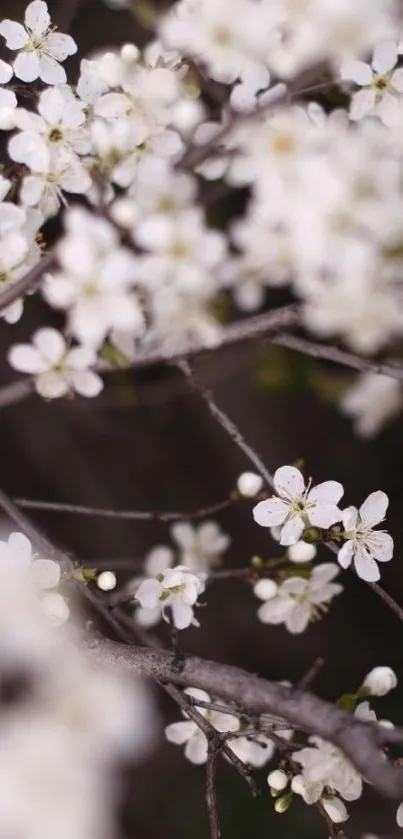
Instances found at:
x=229 y=98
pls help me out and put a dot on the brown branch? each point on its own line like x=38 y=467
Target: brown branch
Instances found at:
x=29 y=281
x=330 y=353
x=361 y=742
x=134 y=515
x=226 y=423
x=211 y=796
x=299 y=86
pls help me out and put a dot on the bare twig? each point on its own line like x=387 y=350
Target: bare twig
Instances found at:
x=361 y=742
x=29 y=281
x=226 y=423
x=309 y=677
x=134 y=515
x=330 y=353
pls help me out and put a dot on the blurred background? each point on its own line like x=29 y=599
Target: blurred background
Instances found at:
x=147 y=443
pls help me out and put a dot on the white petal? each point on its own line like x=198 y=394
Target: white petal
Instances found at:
x=356 y=71
x=182 y=613
x=183 y=533
x=329 y=492
x=26 y=66
x=380 y=546
x=399 y=815
x=26 y=359
x=45 y=573
x=265 y=589
x=385 y=57
x=60 y=46
x=21 y=548
x=196 y=749
x=50 y=344
x=323 y=574
x=55 y=609
x=289 y=482
x=335 y=809
x=324 y=515
x=396 y=81
x=365 y=566
x=86 y=382
x=346 y=554
x=6 y=72
x=158 y=560
x=180 y=732
x=50 y=71
x=298 y=619
x=32 y=190
x=373 y=510
x=14 y=33
x=292 y=531
x=148 y=593
x=362 y=104
x=51 y=385
x=276 y=610
x=350 y=518
x=37 y=17
x=271 y=512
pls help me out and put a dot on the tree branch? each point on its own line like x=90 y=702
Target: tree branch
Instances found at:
x=330 y=353
x=29 y=281
x=361 y=742
x=134 y=515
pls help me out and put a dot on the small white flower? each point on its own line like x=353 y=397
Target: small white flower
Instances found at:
x=58 y=371
x=277 y=780
x=254 y=749
x=298 y=600
x=382 y=85
x=298 y=506
x=176 y=589
x=380 y=681
x=189 y=733
x=364 y=546
x=324 y=765
x=249 y=484
x=371 y=402
x=301 y=552
x=41 y=48
x=200 y=547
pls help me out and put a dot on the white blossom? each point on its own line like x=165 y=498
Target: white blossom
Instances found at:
x=176 y=589
x=365 y=546
x=301 y=552
x=249 y=484
x=200 y=547
x=296 y=506
x=40 y=48
x=58 y=370
x=189 y=734
x=381 y=84
x=277 y=780
x=297 y=600
x=371 y=402
x=380 y=681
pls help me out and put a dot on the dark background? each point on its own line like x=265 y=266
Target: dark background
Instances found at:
x=147 y=443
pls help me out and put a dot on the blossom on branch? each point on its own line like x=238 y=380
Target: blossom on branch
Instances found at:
x=365 y=546
x=175 y=593
x=297 y=506
x=40 y=47
x=297 y=600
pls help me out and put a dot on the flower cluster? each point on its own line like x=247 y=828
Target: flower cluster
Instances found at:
x=298 y=509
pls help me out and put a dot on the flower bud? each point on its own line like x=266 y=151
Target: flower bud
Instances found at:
x=379 y=681
x=301 y=552
x=282 y=804
x=265 y=589
x=277 y=780
x=335 y=808
x=249 y=484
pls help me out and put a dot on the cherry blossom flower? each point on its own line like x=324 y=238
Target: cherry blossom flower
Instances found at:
x=365 y=546
x=58 y=370
x=176 y=589
x=380 y=681
x=189 y=733
x=18 y=558
x=40 y=47
x=382 y=85
x=324 y=765
x=311 y=792
x=297 y=506
x=297 y=600
x=200 y=547
x=372 y=401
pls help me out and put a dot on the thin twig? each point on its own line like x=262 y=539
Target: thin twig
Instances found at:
x=29 y=281
x=135 y=515
x=330 y=353
x=211 y=795
x=226 y=423
x=309 y=677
